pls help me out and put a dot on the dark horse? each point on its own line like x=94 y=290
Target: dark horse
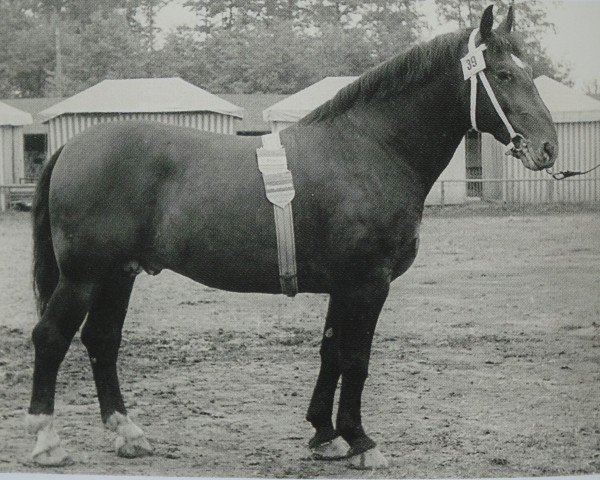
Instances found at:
x=127 y=194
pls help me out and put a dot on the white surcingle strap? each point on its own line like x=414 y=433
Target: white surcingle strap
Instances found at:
x=473 y=67
x=279 y=190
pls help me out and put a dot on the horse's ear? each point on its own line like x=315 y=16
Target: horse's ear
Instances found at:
x=507 y=24
x=487 y=22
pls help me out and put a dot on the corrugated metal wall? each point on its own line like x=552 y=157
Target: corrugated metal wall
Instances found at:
x=11 y=154
x=579 y=144
x=64 y=127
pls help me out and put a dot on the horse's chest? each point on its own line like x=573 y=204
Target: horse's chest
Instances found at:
x=405 y=250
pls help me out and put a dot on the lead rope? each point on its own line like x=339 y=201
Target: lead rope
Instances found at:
x=568 y=173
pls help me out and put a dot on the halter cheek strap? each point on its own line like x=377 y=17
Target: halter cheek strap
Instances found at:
x=475 y=55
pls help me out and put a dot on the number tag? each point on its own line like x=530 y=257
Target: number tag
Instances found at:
x=473 y=63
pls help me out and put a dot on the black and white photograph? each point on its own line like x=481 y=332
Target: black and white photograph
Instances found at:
x=300 y=238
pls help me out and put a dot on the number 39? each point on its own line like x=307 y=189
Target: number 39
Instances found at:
x=471 y=63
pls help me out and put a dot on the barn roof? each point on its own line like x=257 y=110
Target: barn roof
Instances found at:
x=143 y=95
x=566 y=104
x=296 y=106
x=13 y=116
x=33 y=106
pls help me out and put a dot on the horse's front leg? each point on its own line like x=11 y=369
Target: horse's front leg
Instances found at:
x=363 y=306
x=327 y=443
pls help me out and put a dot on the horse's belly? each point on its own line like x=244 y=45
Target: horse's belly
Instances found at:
x=227 y=270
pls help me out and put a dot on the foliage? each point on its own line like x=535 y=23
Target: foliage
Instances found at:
x=235 y=45
x=106 y=48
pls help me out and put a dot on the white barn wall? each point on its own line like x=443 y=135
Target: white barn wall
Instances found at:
x=579 y=150
x=454 y=192
x=66 y=126
x=11 y=154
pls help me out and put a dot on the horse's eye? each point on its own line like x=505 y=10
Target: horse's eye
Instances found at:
x=504 y=76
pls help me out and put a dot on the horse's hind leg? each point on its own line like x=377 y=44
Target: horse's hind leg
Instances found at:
x=101 y=335
x=327 y=444
x=52 y=337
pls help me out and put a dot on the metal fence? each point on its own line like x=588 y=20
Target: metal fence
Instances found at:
x=13 y=193
x=524 y=191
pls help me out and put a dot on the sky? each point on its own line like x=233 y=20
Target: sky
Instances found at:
x=576 y=41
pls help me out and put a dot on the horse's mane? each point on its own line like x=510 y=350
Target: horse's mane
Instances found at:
x=406 y=70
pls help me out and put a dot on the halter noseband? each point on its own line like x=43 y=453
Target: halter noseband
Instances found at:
x=473 y=67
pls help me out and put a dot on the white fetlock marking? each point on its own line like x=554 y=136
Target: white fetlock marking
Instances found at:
x=368 y=460
x=37 y=422
x=334 y=450
x=47 y=450
x=130 y=440
x=123 y=426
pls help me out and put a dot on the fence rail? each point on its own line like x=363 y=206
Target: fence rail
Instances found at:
x=536 y=190
x=12 y=193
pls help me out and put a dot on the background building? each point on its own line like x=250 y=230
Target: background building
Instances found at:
x=577 y=119
x=12 y=121
x=167 y=100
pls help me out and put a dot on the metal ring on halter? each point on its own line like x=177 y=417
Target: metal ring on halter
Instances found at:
x=512 y=147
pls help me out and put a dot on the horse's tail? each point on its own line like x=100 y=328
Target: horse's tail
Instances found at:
x=45 y=268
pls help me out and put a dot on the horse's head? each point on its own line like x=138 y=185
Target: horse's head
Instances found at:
x=517 y=114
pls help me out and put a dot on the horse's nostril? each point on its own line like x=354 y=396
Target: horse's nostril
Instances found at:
x=550 y=149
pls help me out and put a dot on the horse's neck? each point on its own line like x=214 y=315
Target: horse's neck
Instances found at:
x=422 y=127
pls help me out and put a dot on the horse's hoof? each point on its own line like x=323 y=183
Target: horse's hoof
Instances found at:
x=53 y=457
x=368 y=460
x=335 y=449
x=131 y=442
x=133 y=447
x=48 y=451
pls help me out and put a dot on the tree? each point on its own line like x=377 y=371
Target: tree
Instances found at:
x=106 y=48
x=224 y=14
x=12 y=22
x=258 y=60
x=28 y=61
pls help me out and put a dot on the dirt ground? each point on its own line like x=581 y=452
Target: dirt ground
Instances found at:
x=486 y=362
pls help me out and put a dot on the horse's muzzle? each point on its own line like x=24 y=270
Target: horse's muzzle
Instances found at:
x=535 y=158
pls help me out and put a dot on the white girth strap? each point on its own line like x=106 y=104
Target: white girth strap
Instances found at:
x=473 y=67
x=279 y=189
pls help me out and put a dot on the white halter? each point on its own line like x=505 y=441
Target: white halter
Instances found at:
x=473 y=66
